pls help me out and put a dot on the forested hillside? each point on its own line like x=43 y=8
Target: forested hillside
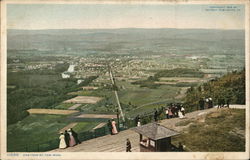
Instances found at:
x=228 y=87
x=40 y=89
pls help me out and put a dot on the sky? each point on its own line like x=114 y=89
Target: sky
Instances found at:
x=109 y=16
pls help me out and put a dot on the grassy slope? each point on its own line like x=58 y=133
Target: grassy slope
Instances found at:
x=64 y=106
x=85 y=126
x=223 y=131
x=36 y=129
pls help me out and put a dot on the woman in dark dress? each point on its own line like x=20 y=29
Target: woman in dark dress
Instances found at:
x=75 y=135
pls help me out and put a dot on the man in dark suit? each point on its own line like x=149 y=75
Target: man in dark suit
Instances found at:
x=201 y=103
x=156 y=115
x=110 y=127
x=66 y=137
x=128 y=146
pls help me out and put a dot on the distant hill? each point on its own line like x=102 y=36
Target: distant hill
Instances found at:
x=127 y=41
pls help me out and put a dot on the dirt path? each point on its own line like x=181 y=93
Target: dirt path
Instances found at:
x=71 y=125
x=74 y=106
x=99 y=125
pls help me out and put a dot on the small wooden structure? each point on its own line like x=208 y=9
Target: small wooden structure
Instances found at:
x=155 y=138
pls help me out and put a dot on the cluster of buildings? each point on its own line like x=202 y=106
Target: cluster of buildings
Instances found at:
x=127 y=68
x=40 y=66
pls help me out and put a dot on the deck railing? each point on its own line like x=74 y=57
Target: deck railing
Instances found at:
x=83 y=136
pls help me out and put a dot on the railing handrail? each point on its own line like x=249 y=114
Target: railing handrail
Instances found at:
x=102 y=129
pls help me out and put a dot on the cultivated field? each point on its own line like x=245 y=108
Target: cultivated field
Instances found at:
x=109 y=116
x=51 y=111
x=84 y=99
x=139 y=96
x=182 y=93
x=157 y=82
x=181 y=79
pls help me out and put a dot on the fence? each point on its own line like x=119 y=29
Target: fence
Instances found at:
x=53 y=144
x=83 y=136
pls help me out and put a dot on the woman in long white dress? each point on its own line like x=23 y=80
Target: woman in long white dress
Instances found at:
x=62 y=143
x=114 y=130
x=138 y=123
x=180 y=115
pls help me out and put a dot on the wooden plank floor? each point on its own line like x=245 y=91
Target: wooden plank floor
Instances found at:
x=108 y=143
x=117 y=143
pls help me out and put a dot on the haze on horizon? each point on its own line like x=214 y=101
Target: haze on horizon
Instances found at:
x=116 y=16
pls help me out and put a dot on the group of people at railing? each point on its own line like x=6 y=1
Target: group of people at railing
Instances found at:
x=175 y=110
x=205 y=103
x=171 y=111
x=68 y=138
x=223 y=102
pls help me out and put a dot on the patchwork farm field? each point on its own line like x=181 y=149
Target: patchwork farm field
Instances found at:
x=135 y=98
x=99 y=93
x=106 y=101
x=141 y=95
x=51 y=111
x=108 y=116
x=181 y=79
x=84 y=99
x=142 y=99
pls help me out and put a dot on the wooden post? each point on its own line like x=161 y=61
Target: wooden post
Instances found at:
x=156 y=145
x=118 y=121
